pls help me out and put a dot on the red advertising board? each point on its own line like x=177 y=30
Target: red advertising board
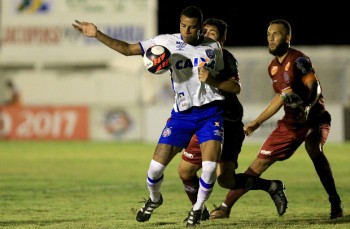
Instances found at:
x=44 y=122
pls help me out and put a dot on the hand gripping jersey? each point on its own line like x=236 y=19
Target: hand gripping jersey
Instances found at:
x=185 y=60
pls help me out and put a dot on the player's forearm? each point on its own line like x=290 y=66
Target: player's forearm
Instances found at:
x=314 y=94
x=115 y=44
x=270 y=110
x=230 y=86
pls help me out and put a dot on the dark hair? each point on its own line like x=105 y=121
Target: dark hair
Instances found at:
x=285 y=24
x=218 y=23
x=193 y=12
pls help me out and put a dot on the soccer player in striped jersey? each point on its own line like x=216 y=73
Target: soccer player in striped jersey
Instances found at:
x=197 y=108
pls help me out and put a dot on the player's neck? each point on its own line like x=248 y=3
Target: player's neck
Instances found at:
x=199 y=40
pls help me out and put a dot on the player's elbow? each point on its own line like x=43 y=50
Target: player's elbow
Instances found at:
x=236 y=87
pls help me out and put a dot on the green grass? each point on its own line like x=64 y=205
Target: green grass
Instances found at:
x=100 y=185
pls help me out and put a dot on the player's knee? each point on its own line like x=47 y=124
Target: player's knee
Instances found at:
x=209 y=172
x=185 y=175
x=187 y=171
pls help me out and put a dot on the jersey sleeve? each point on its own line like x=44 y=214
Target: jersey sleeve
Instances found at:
x=304 y=65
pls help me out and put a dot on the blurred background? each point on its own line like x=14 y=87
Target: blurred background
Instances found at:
x=56 y=84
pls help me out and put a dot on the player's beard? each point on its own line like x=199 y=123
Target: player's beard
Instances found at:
x=280 y=49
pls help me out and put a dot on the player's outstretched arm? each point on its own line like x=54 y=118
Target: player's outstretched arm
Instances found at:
x=90 y=30
x=86 y=28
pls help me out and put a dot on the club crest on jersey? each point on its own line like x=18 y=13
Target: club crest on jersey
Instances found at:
x=166 y=132
x=286 y=77
x=210 y=53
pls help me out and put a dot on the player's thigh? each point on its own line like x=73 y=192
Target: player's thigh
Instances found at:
x=316 y=139
x=211 y=150
x=164 y=153
x=282 y=143
x=178 y=131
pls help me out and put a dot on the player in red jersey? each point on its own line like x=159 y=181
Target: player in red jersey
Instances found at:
x=306 y=120
x=229 y=83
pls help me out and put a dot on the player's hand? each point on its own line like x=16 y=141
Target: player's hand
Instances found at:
x=303 y=114
x=291 y=99
x=203 y=74
x=250 y=128
x=86 y=28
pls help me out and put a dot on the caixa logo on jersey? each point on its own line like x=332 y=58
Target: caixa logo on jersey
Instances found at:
x=196 y=62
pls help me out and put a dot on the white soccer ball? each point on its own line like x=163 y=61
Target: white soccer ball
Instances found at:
x=157 y=59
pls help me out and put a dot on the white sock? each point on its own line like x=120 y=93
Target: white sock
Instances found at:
x=206 y=183
x=154 y=179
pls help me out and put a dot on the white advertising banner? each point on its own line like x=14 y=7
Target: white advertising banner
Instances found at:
x=41 y=30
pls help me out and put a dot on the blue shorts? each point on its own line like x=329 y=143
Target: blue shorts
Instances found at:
x=206 y=121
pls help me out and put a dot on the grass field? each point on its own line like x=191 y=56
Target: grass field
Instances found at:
x=100 y=185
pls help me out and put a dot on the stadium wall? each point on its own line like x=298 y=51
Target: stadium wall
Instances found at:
x=126 y=102
x=55 y=68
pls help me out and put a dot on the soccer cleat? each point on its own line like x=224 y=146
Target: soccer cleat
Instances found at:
x=220 y=213
x=205 y=214
x=194 y=218
x=144 y=214
x=336 y=207
x=279 y=197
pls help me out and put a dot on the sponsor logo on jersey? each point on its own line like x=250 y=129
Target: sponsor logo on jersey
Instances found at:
x=274 y=69
x=188 y=63
x=180 y=45
x=188 y=155
x=287 y=66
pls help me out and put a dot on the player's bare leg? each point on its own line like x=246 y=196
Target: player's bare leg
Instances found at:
x=324 y=172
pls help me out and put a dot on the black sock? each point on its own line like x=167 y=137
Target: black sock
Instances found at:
x=249 y=182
